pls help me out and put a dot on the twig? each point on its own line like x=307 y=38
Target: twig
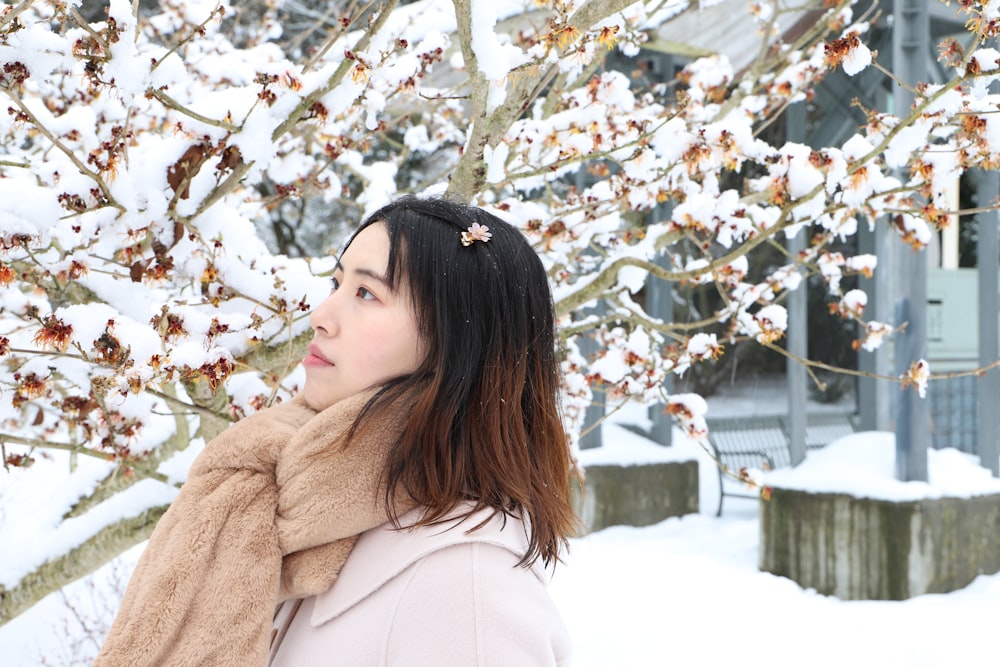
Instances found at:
x=345 y=65
x=176 y=402
x=177 y=106
x=14 y=12
x=84 y=25
x=809 y=363
x=331 y=39
x=197 y=30
x=605 y=417
x=86 y=171
x=48 y=444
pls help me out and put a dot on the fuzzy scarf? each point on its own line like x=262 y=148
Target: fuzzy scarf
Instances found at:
x=270 y=512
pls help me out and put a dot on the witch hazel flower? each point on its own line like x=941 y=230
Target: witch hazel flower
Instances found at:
x=851 y=305
x=875 y=335
x=689 y=411
x=752 y=477
x=863 y=264
x=918 y=375
x=829 y=264
x=772 y=321
x=703 y=346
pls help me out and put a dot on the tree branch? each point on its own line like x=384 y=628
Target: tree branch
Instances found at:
x=38 y=443
x=108 y=543
x=171 y=103
x=141 y=469
x=307 y=102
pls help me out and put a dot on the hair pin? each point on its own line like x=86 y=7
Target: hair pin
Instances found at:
x=476 y=232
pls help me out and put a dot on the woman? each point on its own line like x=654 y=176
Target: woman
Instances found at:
x=401 y=507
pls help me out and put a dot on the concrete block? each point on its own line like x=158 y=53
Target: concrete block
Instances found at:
x=865 y=549
x=636 y=495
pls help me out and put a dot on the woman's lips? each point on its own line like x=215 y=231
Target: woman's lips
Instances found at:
x=314 y=358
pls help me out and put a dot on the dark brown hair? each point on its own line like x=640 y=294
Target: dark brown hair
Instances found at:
x=485 y=425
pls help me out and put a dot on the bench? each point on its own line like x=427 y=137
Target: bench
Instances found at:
x=764 y=443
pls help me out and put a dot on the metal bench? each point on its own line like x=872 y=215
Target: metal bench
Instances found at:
x=763 y=442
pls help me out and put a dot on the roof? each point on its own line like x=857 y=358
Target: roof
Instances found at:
x=725 y=28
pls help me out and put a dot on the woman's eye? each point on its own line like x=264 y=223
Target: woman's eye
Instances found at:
x=334 y=284
x=363 y=293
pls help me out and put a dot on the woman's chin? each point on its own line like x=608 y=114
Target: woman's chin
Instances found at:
x=317 y=399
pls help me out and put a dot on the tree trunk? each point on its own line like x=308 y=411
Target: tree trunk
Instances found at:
x=488 y=128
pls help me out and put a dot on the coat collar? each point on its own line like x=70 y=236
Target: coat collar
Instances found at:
x=382 y=553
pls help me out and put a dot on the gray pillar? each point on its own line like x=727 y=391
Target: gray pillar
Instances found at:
x=912 y=424
x=798 y=345
x=660 y=304
x=875 y=396
x=798 y=327
x=911 y=30
x=596 y=409
x=660 y=294
x=588 y=348
x=988 y=185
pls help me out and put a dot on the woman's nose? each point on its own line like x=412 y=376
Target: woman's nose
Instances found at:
x=323 y=317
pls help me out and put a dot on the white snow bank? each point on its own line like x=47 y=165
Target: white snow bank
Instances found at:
x=624 y=447
x=863 y=465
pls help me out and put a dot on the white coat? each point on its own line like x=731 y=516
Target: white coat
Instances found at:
x=429 y=596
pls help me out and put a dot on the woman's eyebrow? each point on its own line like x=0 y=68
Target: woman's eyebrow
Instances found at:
x=362 y=271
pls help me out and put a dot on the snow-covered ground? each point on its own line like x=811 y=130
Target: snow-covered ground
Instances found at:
x=686 y=591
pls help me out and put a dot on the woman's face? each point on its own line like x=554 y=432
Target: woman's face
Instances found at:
x=364 y=333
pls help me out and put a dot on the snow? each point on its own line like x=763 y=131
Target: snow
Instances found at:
x=685 y=591
x=628 y=448
x=711 y=560
x=702 y=345
x=857 y=60
x=854 y=302
x=46 y=503
x=862 y=465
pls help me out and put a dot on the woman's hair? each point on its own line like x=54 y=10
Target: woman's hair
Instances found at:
x=485 y=425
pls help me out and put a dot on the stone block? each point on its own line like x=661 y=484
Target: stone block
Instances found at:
x=636 y=495
x=866 y=549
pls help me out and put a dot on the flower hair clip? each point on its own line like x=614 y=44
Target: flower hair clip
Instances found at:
x=476 y=232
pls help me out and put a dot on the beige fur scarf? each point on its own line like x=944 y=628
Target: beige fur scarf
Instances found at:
x=270 y=511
